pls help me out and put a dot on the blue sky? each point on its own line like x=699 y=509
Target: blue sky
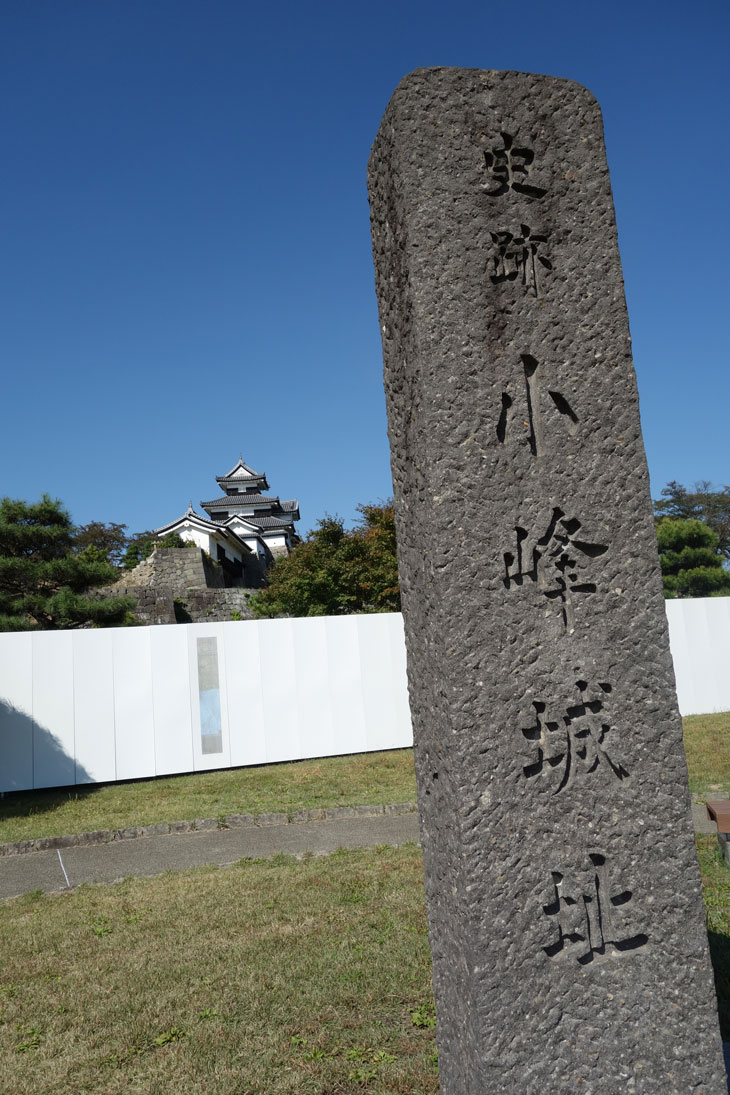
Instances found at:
x=186 y=271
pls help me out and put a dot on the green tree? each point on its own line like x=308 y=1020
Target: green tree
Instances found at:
x=702 y=503
x=692 y=565
x=44 y=582
x=110 y=539
x=334 y=572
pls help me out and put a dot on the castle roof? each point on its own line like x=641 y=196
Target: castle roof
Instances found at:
x=243 y=493
x=265 y=520
x=242 y=474
x=190 y=517
x=237 y=501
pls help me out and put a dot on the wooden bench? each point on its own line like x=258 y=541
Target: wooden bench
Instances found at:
x=718 y=810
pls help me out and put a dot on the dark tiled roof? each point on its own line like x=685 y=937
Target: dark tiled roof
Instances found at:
x=241 y=480
x=238 y=500
x=216 y=525
x=269 y=521
x=290 y=506
x=240 y=469
x=190 y=512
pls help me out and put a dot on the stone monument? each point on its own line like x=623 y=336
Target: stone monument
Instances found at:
x=565 y=912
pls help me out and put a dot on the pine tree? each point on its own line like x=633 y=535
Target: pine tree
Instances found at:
x=702 y=503
x=692 y=565
x=45 y=582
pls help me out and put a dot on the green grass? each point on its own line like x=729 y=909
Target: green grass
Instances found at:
x=268 y=978
x=707 y=746
x=364 y=779
x=367 y=778
x=284 y=977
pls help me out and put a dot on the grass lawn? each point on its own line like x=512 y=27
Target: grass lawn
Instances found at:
x=364 y=779
x=707 y=745
x=268 y=978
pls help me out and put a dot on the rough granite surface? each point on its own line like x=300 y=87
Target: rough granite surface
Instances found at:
x=565 y=912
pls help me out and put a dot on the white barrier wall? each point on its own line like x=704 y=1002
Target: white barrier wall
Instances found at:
x=126 y=703
x=699 y=637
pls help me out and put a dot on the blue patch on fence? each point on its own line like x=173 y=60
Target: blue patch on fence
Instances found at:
x=210 y=711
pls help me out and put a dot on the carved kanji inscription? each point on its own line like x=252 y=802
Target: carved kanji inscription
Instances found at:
x=521 y=416
x=555 y=556
x=520 y=256
x=572 y=740
x=590 y=914
x=509 y=167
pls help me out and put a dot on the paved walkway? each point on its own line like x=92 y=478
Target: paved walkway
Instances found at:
x=106 y=860
x=62 y=868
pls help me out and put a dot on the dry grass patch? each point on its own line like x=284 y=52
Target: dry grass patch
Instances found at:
x=707 y=746
x=269 y=978
x=362 y=779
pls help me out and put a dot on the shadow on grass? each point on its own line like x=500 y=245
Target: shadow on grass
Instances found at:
x=32 y=754
x=720 y=955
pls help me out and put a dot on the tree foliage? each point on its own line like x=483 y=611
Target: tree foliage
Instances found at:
x=334 y=572
x=109 y=539
x=702 y=503
x=692 y=565
x=44 y=577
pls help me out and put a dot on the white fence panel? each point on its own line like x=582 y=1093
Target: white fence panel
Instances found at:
x=376 y=652
x=699 y=636
x=100 y=705
x=54 y=732
x=316 y=729
x=16 y=711
x=345 y=685
x=278 y=684
x=401 y=706
x=93 y=682
x=134 y=726
x=245 y=699
x=171 y=700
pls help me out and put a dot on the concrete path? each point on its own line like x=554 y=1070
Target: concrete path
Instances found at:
x=63 y=868
x=700 y=819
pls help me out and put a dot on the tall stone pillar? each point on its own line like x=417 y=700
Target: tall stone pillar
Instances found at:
x=565 y=914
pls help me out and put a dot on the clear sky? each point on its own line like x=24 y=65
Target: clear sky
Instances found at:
x=186 y=270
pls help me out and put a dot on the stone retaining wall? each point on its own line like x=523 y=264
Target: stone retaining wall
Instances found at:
x=182 y=585
x=212 y=605
x=177 y=568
